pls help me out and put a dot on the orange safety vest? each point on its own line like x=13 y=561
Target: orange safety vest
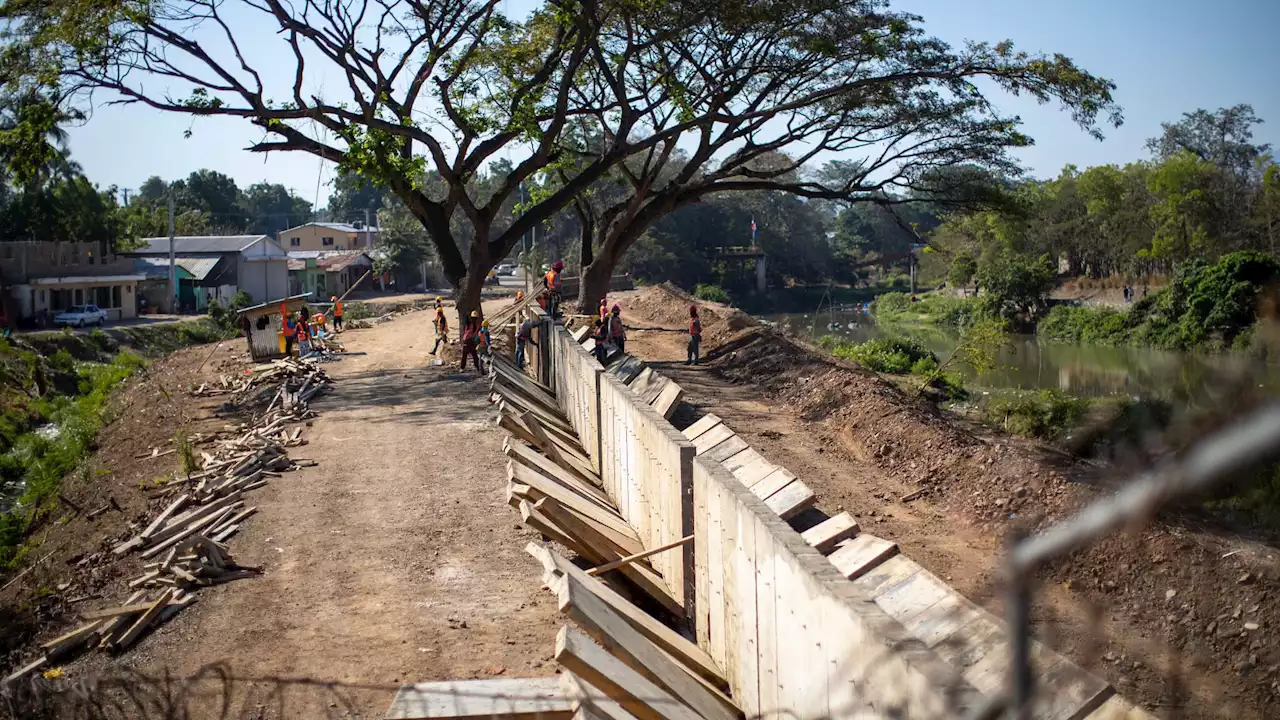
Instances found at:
x=553 y=280
x=337 y=309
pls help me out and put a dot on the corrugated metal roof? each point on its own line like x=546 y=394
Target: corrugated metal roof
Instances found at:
x=198 y=267
x=340 y=227
x=197 y=244
x=158 y=268
x=297 y=264
x=336 y=263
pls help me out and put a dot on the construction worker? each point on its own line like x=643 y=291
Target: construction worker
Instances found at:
x=337 y=313
x=600 y=331
x=304 y=333
x=604 y=309
x=470 y=337
x=695 y=336
x=553 y=283
x=519 y=295
x=290 y=330
x=485 y=344
x=617 y=333
x=523 y=336
x=442 y=328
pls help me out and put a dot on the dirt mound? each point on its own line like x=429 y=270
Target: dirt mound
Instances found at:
x=668 y=305
x=1175 y=596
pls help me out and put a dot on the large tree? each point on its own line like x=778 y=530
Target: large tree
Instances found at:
x=450 y=85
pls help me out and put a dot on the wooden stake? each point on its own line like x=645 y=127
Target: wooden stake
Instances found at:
x=639 y=556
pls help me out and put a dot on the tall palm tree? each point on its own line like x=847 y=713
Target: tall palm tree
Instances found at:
x=33 y=140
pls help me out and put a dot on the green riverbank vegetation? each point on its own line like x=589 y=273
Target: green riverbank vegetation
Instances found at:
x=55 y=390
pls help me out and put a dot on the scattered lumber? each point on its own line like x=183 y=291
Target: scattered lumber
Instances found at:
x=860 y=555
x=824 y=536
x=639 y=556
x=635 y=693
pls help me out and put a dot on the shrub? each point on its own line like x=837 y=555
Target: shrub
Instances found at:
x=711 y=293
x=1046 y=414
x=896 y=356
x=1100 y=325
x=894 y=302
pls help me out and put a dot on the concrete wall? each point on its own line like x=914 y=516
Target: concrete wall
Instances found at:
x=311 y=237
x=22 y=261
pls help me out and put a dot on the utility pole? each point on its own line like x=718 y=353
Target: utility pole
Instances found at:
x=368 y=238
x=173 y=272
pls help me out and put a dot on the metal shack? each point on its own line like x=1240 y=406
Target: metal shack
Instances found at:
x=262 y=326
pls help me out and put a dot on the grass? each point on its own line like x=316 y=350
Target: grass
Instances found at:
x=41 y=462
x=896 y=356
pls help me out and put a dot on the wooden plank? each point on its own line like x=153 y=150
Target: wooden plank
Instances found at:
x=535 y=519
x=646 y=579
x=886 y=575
x=941 y=619
x=633 y=691
x=743 y=458
x=627 y=369
x=701 y=425
x=520 y=399
x=505 y=699
x=1067 y=692
x=791 y=500
x=754 y=471
x=508 y=369
x=625 y=642
x=643 y=381
x=1117 y=708
x=533 y=399
x=908 y=599
x=588 y=702
x=727 y=449
x=598 y=514
x=824 y=536
x=579 y=334
x=692 y=656
x=593 y=572
x=773 y=483
x=711 y=438
x=861 y=554
x=168 y=512
x=587 y=487
x=668 y=400
x=138 y=627
x=766 y=622
x=657 y=385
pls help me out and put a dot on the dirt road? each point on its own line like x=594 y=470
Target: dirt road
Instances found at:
x=395 y=560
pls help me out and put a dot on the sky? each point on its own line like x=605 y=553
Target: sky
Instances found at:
x=1167 y=57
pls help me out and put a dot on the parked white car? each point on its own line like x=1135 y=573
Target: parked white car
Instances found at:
x=505 y=270
x=81 y=315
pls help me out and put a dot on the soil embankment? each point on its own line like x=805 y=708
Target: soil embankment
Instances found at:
x=393 y=560
x=1182 y=620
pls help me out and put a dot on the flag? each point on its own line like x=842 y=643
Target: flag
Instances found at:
x=753 y=228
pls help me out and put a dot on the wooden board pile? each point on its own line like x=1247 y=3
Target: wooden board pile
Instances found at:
x=185 y=541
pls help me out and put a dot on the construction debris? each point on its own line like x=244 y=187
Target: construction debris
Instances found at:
x=185 y=540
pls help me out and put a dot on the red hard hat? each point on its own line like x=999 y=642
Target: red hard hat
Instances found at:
x=558 y=266
x=693 y=309
x=617 y=309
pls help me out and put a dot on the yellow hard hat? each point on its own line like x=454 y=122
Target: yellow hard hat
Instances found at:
x=484 y=323
x=519 y=294
x=475 y=314
x=333 y=299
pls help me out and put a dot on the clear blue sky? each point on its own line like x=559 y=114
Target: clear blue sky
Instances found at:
x=1167 y=57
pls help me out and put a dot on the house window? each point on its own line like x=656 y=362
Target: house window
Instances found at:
x=295 y=242
x=103 y=296
x=327 y=241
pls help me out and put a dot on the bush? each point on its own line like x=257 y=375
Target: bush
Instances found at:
x=1046 y=414
x=1101 y=325
x=711 y=293
x=225 y=317
x=896 y=356
x=894 y=302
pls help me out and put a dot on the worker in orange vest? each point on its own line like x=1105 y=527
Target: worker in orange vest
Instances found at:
x=288 y=328
x=553 y=283
x=337 y=314
x=617 y=333
x=604 y=309
x=470 y=338
x=442 y=329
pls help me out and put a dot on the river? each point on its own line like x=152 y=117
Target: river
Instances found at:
x=1026 y=363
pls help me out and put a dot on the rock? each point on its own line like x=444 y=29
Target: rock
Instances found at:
x=1000 y=502
x=1169 y=594
x=1251 y=626
x=1245 y=579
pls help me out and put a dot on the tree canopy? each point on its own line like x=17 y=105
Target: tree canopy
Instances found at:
x=580 y=90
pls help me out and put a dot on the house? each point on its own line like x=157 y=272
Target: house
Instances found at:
x=326 y=273
x=216 y=267
x=44 y=278
x=320 y=237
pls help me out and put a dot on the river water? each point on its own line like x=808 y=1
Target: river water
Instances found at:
x=1026 y=363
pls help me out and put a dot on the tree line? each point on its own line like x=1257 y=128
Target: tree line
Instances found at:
x=620 y=112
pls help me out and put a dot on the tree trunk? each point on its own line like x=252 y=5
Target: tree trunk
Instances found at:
x=593 y=285
x=467 y=294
